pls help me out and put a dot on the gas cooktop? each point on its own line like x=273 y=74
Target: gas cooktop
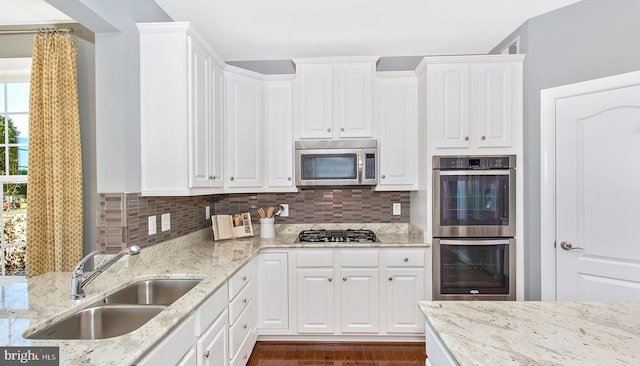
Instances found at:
x=347 y=236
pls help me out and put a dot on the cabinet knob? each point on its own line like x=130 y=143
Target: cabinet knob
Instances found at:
x=342 y=129
x=328 y=129
x=390 y=278
x=330 y=279
x=289 y=178
x=344 y=279
x=483 y=138
x=244 y=278
x=466 y=138
x=406 y=259
x=244 y=326
x=206 y=354
x=244 y=300
x=211 y=177
x=245 y=356
x=383 y=176
x=231 y=178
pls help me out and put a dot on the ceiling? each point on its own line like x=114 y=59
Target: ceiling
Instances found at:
x=282 y=29
x=244 y=30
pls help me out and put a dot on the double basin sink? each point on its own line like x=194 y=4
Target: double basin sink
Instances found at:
x=119 y=313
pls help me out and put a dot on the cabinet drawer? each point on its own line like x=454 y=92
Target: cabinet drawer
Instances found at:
x=245 y=351
x=314 y=258
x=211 y=308
x=359 y=258
x=238 y=331
x=405 y=258
x=241 y=302
x=173 y=347
x=239 y=279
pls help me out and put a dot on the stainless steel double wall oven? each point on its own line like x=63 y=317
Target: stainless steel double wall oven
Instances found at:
x=474 y=226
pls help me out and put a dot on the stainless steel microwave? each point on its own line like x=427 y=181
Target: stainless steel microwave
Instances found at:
x=336 y=163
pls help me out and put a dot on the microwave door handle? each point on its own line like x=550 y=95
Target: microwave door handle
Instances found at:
x=360 y=166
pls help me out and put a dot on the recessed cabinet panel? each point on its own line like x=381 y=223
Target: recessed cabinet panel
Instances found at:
x=494 y=105
x=452 y=105
x=360 y=299
x=279 y=125
x=405 y=288
x=316 y=101
x=200 y=121
x=356 y=100
x=315 y=295
x=273 y=291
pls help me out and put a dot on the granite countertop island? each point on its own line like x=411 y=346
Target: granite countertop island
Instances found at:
x=536 y=333
x=42 y=300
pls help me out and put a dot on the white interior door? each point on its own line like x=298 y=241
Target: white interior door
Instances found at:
x=598 y=196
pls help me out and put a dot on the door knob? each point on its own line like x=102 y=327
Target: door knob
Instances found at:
x=566 y=245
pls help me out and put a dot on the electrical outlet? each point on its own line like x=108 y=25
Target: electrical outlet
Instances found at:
x=152 y=224
x=166 y=221
x=284 y=207
x=207 y=212
x=397 y=209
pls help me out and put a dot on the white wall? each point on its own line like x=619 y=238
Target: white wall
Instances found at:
x=583 y=41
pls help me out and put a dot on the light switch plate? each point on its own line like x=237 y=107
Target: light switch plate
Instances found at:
x=397 y=208
x=284 y=210
x=152 y=224
x=166 y=222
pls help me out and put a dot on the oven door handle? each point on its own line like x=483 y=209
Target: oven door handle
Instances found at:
x=474 y=172
x=474 y=241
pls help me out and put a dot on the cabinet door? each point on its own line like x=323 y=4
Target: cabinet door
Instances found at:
x=355 y=100
x=273 y=291
x=279 y=125
x=218 y=146
x=200 y=118
x=494 y=104
x=244 y=131
x=405 y=288
x=360 y=299
x=315 y=295
x=398 y=130
x=212 y=346
x=451 y=104
x=315 y=101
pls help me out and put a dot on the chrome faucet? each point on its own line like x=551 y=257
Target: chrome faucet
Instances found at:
x=78 y=281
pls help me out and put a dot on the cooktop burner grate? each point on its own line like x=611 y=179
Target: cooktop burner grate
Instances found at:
x=349 y=235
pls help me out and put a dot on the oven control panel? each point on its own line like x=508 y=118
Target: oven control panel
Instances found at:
x=474 y=162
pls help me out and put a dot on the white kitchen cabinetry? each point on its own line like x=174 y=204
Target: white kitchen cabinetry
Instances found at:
x=180 y=111
x=278 y=145
x=315 y=291
x=212 y=329
x=474 y=101
x=405 y=288
x=335 y=97
x=359 y=311
x=273 y=292
x=397 y=126
x=175 y=348
x=244 y=126
x=242 y=317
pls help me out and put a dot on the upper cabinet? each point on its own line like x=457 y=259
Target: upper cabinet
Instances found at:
x=278 y=114
x=473 y=101
x=335 y=97
x=244 y=125
x=397 y=126
x=180 y=111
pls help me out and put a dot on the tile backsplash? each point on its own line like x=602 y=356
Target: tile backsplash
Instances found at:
x=122 y=218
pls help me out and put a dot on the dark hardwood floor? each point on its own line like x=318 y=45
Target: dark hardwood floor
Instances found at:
x=337 y=354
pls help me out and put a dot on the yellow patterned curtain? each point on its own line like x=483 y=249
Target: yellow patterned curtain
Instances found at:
x=54 y=216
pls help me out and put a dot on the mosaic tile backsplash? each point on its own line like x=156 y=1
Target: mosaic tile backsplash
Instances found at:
x=122 y=218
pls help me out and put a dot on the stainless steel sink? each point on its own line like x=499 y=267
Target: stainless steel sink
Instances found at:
x=99 y=322
x=152 y=292
x=119 y=313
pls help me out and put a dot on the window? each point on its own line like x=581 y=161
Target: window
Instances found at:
x=14 y=160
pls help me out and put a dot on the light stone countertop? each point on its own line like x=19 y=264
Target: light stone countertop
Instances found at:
x=537 y=333
x=44 y=299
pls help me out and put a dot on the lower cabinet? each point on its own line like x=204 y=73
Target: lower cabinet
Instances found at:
x=315 y=295
x=212 y=347
x=405 y=288
x=242 y=314
x=273 y=292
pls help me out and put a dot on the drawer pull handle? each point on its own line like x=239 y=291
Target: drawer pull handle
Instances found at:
x=244 y=300
x=344 y=279
x=244 y=278
x=206 y=354
x=244 y=326
x=330 y=279
x=406 y=259
x=390 y=278
x=245 y=356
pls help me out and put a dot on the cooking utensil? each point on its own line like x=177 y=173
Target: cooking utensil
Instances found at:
x=261 y=213
x=270 y=212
